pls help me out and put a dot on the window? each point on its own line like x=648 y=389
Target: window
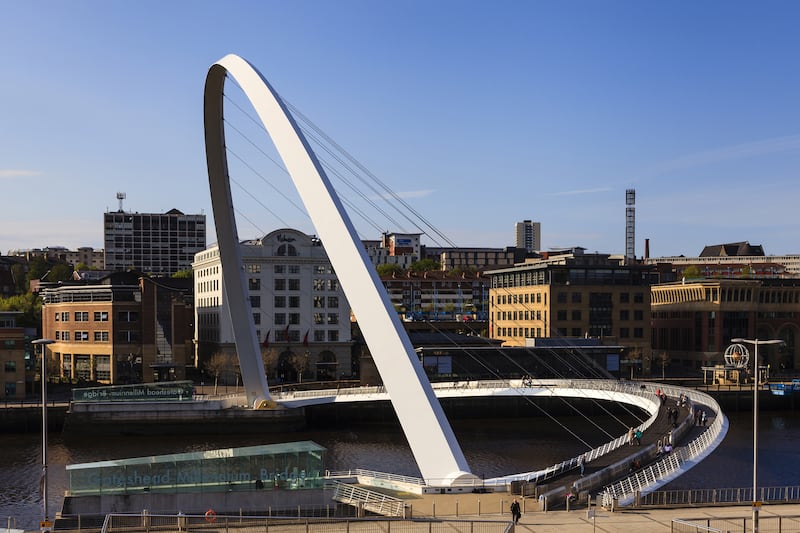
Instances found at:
x=280 y=319
x=294 y=319
x=280 y=284
x=65 y=316
x=624 y=297
x=280 y=269
x=333 y=335
x=294 y=269
x=333 y=318
x=319 y=335
x=294 y=284
x=128 y=336
x=280 y=301
x=58 y=316
x=128 y=316
x=256 y=319
x=100 y=336
x=101 y=316
x=576 y=297
x=638 y=314
x=319 y=269
x=319 y=284
x=576 y=332
x=255 y=302
x=624 y=314
x=561 y=314
x=576 y=315
x=65 y=335
x=10 y=366
x=82 y=336
x=319 y=301
x=562 y=297
x=624 y=333
x=638 y=298
x=294 y=302
x=333 y=284
x=319 y=318
x=254 y=284
x=333 y=302
x=638 y=333
x=253 y=269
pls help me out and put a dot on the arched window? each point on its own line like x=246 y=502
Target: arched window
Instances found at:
x=287 y=250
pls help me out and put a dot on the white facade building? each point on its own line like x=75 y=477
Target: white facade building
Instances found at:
x=300 y=312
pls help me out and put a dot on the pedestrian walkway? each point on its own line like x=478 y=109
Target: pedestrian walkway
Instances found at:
x=496 y=506
x=659 y=430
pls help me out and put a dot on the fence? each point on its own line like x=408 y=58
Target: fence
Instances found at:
x=146 y=523
x=697 y=497
x=766 y=524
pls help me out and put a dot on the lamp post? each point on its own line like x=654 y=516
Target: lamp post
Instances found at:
x=756 y=343
x=43 y=374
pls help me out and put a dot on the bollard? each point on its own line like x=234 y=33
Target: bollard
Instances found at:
x=456 y=508
x=479 y=506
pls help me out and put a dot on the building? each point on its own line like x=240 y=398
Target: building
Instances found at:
x=13 y=345
x=474 y=258
x=734 y=260
x=574 y=295
x=694 y=320
x=439 y=296
x=153 y=243
x=86 y=255
x=528 y=235
x=300 y=311
x=401 y=249
x=126 y=328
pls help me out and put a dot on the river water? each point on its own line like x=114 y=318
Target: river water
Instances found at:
x=492 y=448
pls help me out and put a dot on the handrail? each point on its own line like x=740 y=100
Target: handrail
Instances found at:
x=659 y=473
x=376 y=502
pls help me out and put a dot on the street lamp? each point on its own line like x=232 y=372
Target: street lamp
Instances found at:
x=756 y=343
x=43 y=374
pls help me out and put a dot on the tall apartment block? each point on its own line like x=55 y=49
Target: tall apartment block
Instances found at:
x=155 y=243
x=528 y=235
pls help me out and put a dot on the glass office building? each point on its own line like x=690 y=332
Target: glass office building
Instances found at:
x=289 y=466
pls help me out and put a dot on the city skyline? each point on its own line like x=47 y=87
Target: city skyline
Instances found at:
x=480 y=116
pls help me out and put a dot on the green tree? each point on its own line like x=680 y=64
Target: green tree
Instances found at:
x=29 y=305
x=20 y=278
x=60 y=272
x=425 y=265
x=37 y=267
x=692 y=272
x=386 y=270
x=184 y=274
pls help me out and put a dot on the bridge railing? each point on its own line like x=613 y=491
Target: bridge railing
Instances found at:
x=369 y=500
x=670 y=466
x=363 y=473
x=696 y=497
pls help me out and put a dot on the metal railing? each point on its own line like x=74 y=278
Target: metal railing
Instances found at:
x=742 y=524
x=145 y=523
x=368 y=500
x=362 y=473
x=698 y=497
x=651 y=477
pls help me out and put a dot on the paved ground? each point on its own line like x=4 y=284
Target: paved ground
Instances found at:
x=495 y=507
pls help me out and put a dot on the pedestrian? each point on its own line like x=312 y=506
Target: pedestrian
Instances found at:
x=703 y=418
x=638 y=437
x=516 y=512
x=630 y=436
x=581 y=463
x=697 y=412
x=667 y=448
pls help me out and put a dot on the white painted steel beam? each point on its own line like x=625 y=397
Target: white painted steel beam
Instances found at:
x=428 y=431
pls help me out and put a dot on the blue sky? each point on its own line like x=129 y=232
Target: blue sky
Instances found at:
x=481 y=114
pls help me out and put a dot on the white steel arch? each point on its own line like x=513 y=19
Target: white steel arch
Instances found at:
x=430 y=437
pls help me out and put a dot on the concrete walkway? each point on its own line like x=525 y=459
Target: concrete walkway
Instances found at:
x=495 y=506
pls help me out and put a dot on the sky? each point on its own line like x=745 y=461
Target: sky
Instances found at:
x=479 y=114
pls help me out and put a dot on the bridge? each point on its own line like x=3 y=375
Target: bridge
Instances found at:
x=607 y=467
x=414 y=399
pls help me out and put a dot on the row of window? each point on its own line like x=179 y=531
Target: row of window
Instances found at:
x=255 y=268
x=320 y=302
x=98 y=316
x=99 y=336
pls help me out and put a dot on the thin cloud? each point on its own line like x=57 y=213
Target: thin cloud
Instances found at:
x=18 y=173
x=581 y=191
x=729 y=153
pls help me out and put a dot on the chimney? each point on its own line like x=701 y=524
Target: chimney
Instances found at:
x=647 y=249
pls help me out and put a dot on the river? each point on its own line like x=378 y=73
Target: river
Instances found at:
x=491 y=447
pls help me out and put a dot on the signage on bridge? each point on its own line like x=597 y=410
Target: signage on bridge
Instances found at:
x=169 y=390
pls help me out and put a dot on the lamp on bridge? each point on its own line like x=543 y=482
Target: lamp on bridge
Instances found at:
x=43 y=375
x=756 y=383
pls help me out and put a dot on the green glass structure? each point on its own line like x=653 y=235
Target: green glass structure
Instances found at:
x=291 y=466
